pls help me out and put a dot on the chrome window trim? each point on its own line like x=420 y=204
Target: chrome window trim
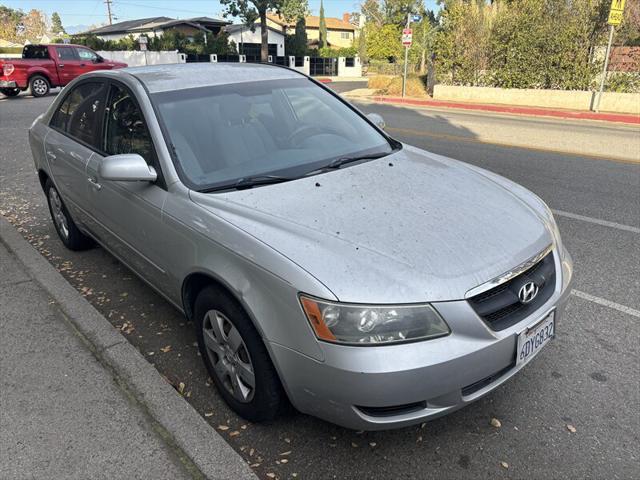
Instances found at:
x=505 y=277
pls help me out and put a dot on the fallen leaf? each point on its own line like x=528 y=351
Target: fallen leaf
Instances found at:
x=251 y=452
x=422 y=425
x=181 y=388
x=254 y=465
x=495 y=423
x=372 y=444
x=571 y=428
x=166 y=349
x=234 y=433
x=271 y=475
x=285 y=453
x=284 y=460
x=288 y=440
x=504 y=464
x=208 y=414
x=419 y=439
x=354 y=444
x=223 y=427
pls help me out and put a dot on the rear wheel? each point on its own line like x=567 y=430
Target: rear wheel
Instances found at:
x=10 y=92
x=39 y=86
x=235 y=356
x=67 y=230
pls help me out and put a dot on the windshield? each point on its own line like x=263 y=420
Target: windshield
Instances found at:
x=224 y=134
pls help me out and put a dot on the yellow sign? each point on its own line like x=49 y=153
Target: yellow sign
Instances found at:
x=616 y=12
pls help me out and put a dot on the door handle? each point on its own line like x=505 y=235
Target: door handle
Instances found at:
x=61 y=65
x=52 y=156
x=83 y=64
x=94 y=183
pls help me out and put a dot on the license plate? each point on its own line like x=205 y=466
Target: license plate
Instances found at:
x=531 y=341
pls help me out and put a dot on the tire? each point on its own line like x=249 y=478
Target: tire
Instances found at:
x=39 y=86
x=71 y=237
x=10 y=92
x=266 y=398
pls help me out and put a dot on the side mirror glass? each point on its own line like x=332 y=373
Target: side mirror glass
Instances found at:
x=129 y=167
x=377 y=120
x=98 y=59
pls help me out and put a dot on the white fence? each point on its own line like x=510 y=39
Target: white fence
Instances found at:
x=137 y=59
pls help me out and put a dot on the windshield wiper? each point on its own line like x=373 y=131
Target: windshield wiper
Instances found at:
x=339 y=162
x=249 y=182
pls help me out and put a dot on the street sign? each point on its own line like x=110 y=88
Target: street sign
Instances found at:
x=416 y=18
x=616 y=13
x=407 y=37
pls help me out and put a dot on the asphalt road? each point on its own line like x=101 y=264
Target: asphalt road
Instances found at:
x=587 y=378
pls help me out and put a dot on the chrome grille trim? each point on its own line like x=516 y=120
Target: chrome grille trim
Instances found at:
x=505 y=277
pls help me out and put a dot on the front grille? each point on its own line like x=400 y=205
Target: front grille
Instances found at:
x=480 y=384
x=501 y=308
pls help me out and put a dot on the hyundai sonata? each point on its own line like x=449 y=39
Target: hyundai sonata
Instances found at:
x=322 y=262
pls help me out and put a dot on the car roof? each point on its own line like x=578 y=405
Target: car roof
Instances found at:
x=180 y=76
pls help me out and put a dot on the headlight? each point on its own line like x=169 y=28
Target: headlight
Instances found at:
x=363 y=324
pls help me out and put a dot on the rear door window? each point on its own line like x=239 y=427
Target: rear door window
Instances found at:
x=66 y=53
x=80 y=113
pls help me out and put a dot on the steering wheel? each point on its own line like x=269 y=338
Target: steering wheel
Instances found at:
x=305 y=131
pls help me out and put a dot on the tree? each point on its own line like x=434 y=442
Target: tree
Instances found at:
x=323 y=28
x=251 y=10
x=383 y=42
x=56 y=24
x=296 y=11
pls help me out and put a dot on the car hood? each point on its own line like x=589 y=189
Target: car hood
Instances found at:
x=410 y=227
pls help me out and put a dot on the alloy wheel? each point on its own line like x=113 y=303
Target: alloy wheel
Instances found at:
x=59 y=216
x=229 y=355
x=39 y=86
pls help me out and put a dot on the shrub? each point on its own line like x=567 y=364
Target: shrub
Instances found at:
x=388 y=85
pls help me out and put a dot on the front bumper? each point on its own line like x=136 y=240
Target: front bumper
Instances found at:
x=8 y=84
x=363 y=388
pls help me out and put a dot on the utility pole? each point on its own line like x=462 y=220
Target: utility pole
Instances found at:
x=108 y=3
x=406 y=58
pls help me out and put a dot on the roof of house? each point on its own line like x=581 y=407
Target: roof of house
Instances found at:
x=144 y=24
x=128 y=25
x=242 y=27
x=314 y=22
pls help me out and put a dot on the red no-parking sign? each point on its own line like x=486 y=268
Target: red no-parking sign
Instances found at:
x=407 y=37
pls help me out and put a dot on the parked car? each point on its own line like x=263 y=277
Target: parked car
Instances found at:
x=368 y=282
x=43 y=67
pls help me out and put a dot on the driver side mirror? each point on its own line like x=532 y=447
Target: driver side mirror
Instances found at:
x=98 y=59
x=377 y=120
x=128 y=167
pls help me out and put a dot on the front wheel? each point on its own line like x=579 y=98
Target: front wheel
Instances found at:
x=236 y=356
x=10 y=92
x=66 y=228
x=39 y=86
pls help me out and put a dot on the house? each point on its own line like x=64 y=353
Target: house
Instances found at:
x=156 y=26
x=340 y=32
x=248 y=42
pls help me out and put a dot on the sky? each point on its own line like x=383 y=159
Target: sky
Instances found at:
x=89 y=12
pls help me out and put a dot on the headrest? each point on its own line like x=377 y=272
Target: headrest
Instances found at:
x=234 y=108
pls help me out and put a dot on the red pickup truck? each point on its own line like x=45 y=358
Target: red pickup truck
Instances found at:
x=43 y=67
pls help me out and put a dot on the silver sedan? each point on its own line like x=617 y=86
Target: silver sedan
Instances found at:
x=323 y=263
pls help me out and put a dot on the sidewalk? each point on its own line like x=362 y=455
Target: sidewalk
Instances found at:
x=369 y=94
x=68 y=408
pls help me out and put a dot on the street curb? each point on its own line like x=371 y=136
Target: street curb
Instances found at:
x=195 y=439
x=513 y=110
